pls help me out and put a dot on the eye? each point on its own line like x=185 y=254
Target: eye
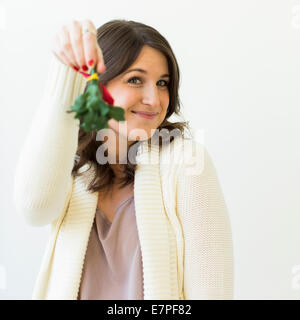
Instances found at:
x=166 y=82
x=133 y=78
x=137 y=78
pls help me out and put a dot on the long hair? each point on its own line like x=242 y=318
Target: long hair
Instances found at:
x=121 y=42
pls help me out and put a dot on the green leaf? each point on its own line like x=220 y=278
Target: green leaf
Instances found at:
x=94 y=104
x=88 y=121
x=101 y=123
x=117 y=113
x=79 y=105
x=93 y=90
x=104 y=108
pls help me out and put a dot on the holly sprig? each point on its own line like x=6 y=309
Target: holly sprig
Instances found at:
x=95 y=106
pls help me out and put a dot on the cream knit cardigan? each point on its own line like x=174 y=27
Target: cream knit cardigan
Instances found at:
x=182 y=218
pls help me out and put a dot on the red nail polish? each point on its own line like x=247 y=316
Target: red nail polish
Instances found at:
x=84 y=68
x=91 y=62
x=75 y=68
x=86 y=75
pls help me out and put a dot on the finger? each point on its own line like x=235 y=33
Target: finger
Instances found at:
x=59 y=58
x=77 y=43
x=59 y=52
x=67 y=46
x=101 y=68
x=89 y=43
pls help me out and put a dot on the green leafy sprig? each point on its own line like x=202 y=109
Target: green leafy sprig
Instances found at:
x=94 y=107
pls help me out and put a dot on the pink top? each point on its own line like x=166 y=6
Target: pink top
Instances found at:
x=113 y=262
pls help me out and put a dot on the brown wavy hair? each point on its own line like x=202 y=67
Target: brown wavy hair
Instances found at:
x=121 y=42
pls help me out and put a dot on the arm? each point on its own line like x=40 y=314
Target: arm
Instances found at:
x=43 y=181
x=208 y=258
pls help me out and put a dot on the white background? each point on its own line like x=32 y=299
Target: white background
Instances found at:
x=240 y=84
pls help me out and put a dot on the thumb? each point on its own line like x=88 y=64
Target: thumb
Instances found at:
x=100 y=63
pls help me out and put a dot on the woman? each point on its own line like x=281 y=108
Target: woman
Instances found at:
x=143 y=223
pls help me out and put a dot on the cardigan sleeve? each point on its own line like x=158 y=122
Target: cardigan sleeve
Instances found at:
x=42 y=178
x=208 y=248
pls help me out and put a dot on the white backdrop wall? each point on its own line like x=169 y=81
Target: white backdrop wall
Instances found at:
x=240 y=86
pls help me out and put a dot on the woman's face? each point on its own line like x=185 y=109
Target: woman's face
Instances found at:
x=141 y=91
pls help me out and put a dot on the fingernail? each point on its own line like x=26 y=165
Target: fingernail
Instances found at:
x=84 y=68
x=85 y=74
x=75 y=68
x=91 y=62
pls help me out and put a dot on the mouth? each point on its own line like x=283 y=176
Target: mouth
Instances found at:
x=150 y=115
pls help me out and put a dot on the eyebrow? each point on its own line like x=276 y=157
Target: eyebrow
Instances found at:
x=145 y=72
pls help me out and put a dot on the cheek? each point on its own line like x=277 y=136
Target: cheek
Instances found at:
x=166 y=101
x=122 y=98
x=166 y=105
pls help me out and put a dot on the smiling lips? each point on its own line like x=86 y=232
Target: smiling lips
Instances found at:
x=145 y=115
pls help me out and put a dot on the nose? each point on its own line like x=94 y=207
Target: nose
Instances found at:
x=151 y=95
